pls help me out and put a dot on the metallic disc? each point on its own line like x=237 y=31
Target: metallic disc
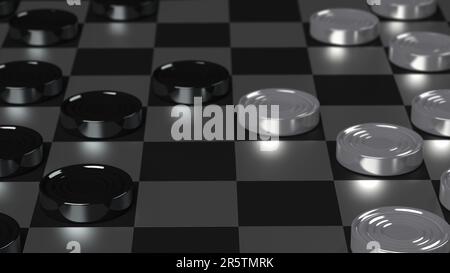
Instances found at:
x=421 y=51
x=399 y=230
x=379 y=149
x=344 y=26
x=298 y=111
x=444 y=191
x=406 y=9
x=431 y=112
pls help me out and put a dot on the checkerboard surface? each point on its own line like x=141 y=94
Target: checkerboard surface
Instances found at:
x=228 y=196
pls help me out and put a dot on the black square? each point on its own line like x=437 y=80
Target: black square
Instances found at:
x=341 y=173
x=357 y=90
x=188 y=161
x=155 y=100
x=193 y=35
x=42 y=219
x=113 y=62
x=436 y=186
x=23 y=237
x=305 y=203
x=348 y=236
x=62 y=134
x=34 y=174
x=272 y=61
x=186 y=240
x=264 y=10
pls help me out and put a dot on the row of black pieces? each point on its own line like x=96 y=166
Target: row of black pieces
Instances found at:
x=29 y=82
x=45 y=27
x=96 y=114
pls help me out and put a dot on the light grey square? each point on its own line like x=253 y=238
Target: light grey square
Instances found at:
x=349 y=61
x=308 y=7
x=41 y=119
x=282 y=161
x=163 y=56
x=187 y=204
x=123 y=155
x=330 y=239
x=79 y=11
x=338 y=118
x=389 y=30
x=159 y=123
x=118 y=35
x=267 y=35
x=18 y=200
x=134 y=85
x=437 y=157
x=91 y=240
x=193 y=11
x=62 y=57
x=411 y=85
x=243 y=85
x=358 y=196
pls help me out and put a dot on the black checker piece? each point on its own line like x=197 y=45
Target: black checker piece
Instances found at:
x=86 y=193
x=9 y=235
x=25 y=82
x=181 y=81
x=101 y=114
x=124 y=10
x=44 y=27
x=21 y=149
